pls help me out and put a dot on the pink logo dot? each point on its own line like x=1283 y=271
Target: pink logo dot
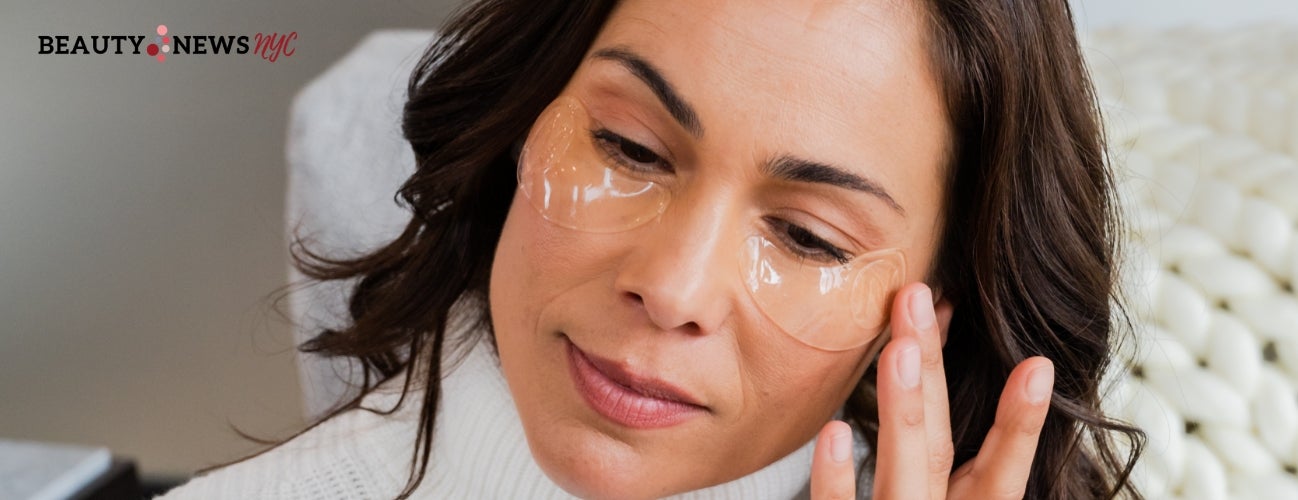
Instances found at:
x=161 y=45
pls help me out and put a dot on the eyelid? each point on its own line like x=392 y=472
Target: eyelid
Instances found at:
x=623 y=120
x=824 y=230
x=853 y=227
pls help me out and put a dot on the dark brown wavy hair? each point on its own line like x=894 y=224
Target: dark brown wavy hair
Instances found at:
x=1028 y=255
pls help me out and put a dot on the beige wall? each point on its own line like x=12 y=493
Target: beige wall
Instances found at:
x=141 y=211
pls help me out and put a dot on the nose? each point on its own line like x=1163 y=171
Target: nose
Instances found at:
x=682 y=271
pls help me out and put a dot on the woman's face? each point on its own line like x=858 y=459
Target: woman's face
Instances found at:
x=639 y=362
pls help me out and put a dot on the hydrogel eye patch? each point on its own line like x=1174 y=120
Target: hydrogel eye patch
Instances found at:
x=833 y=308
x=576 y=184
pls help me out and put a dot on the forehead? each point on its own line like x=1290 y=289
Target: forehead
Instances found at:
x=844 y=81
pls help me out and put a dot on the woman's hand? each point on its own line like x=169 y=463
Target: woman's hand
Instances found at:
x=915 y=450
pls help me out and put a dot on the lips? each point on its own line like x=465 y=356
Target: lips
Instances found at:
x=627 y=398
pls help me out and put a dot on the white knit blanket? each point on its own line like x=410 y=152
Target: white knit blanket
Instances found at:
x=1203 y=127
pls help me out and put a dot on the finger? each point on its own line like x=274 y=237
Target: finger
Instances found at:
x=833 y=475
x=1002 y=466
x=918 y=318
x=901 y=470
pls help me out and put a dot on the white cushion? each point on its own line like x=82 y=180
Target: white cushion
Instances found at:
x=347 y=158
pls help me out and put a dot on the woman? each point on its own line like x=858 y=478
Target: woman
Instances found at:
x=701 y=236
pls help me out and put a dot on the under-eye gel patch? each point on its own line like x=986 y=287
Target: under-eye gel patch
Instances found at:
x=833 y=308
x=574 y=183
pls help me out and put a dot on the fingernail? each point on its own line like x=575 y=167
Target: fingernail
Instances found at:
x=921 y=309
x=1040 y=382
x=908 y=366
x=840 y=447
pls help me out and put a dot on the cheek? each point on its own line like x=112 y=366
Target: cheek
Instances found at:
x=510 y=273
x=805 y=377
x=807 y=385
x=535 y=262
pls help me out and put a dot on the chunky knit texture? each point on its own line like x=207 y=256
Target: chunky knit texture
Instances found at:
x=1203 y=127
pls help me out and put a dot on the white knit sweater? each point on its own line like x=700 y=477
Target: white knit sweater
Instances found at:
x=479 y=451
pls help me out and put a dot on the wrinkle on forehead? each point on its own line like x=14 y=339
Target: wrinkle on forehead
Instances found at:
x=819 y=23
x=861 y=35
x=830 y=12
x=873 y=67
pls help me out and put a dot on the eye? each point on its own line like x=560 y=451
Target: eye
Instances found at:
x=629 y=154
x=805 y=244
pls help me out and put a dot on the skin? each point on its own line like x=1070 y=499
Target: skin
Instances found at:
x=842 y=83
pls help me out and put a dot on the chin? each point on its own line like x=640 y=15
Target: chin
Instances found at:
x=598 y=476
x=590 y=464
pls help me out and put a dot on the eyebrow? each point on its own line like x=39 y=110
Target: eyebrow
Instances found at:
x=800 y=170
x=786 y=167
x=677 y=107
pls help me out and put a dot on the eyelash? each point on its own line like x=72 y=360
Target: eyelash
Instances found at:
x=798 y=240
x=615 y=148
x=805 y=244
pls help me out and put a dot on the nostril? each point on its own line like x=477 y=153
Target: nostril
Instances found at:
x=655 y=315
x=692 y=328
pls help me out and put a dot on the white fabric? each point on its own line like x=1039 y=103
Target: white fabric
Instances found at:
x=1203 y=126
x=479 y=452
x=347 y=157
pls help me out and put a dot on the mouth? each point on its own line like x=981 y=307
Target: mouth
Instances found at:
x=626 y=398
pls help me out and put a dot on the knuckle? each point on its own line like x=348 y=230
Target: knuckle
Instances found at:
x=839 y=489
x=941 y=457
x=932 y=360
x=1019 y=424
x=911 y=418
x=1028 y=426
